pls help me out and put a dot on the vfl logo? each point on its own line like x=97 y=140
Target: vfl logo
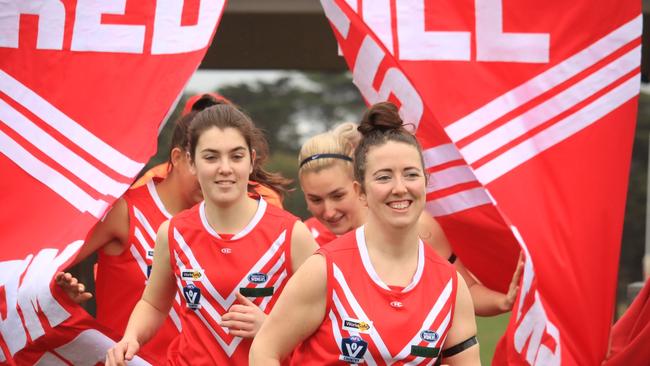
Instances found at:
x=192 y=296
x=258 y=277
x=353 y=349
x=429 y=336
x=356 y=325
x=192 y=274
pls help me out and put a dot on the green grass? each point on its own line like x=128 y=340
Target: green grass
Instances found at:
x=490 y=331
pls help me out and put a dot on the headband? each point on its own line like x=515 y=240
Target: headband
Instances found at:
x=323 y=156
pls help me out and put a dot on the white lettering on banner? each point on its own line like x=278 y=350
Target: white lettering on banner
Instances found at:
x=90 y=34
x=51 y=19
x=415 y=43
x=87 y=349
x=31 y=295
x=11 y=326
x=365 y=71
x=376 y=14
x=492 y=44
x=170 y=36
x=534 y=324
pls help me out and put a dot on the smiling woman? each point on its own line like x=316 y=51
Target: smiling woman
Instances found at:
x=377 y=292
x=227 y=259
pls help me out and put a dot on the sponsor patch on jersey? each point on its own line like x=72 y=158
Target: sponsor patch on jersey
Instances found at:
x=149 y=254
x=397 y=304
x=192 y=296
x=356 y=325
x=192 y=274
x=258 y=277
x=429 y=336
x=427 y=352
x=353 y=349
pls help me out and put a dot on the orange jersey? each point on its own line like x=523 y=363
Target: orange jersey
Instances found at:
x=210 y=269
x=161 y=171
x=320 y=232
x=121 y=279
x=369 y=322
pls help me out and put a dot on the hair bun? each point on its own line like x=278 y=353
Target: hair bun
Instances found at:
x=383 y=116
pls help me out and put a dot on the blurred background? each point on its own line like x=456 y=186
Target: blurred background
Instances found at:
x=278 y=60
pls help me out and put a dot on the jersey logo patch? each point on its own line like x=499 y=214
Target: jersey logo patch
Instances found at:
x=353 y=349
x=356 y=325
x=192 y=296
x=149 y=254
x=429 y=336
x=192 y=274
x=258 y=277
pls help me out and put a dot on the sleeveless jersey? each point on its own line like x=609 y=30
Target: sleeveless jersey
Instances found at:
x=320 y=232
x=369 y=322
x=121 y=279
x=210 y=270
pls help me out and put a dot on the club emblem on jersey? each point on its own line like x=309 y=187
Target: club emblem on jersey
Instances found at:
x=192 y=296
x=353 y=349
x=429 y=336
x=258 y=277
x=192 y=274
x=356 y=325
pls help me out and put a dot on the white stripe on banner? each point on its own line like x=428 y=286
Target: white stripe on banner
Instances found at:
x=75 y=132
x=558 y=132
x=59 y=152
x=56 y=181
x=440 y=154
x=552 y=107
x=450 y=177
x=458 y=202
x=337 y=17
x=545 y=81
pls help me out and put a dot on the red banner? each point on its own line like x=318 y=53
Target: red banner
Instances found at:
x=526 y=112
x=84 y=87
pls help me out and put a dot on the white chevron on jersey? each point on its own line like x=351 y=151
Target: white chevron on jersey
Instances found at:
x=374 y=333
x=227 y=302
x=263 y=261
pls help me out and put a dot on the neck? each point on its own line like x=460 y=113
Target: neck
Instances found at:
x=232 y=218
x=398 y=243
x=168 y=190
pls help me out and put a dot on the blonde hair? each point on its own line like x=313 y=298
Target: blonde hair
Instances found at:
x=342 y=140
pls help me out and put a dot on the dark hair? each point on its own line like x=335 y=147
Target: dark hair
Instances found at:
x=381 y=123
x=182 y=124
x=226 y=115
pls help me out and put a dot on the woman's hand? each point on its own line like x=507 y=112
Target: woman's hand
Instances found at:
x=75 y=290
x=244 y=319
x=513 y=289
x=123 y=351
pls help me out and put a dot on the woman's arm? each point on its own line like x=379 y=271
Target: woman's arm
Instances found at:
x=487 y=302
x=298 y=313
x=150 y=312
x=463 y=328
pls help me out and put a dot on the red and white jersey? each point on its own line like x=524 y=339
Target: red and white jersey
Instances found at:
x=370 y=322
x=211 y=269
x=121 y=279
x=320 y=232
